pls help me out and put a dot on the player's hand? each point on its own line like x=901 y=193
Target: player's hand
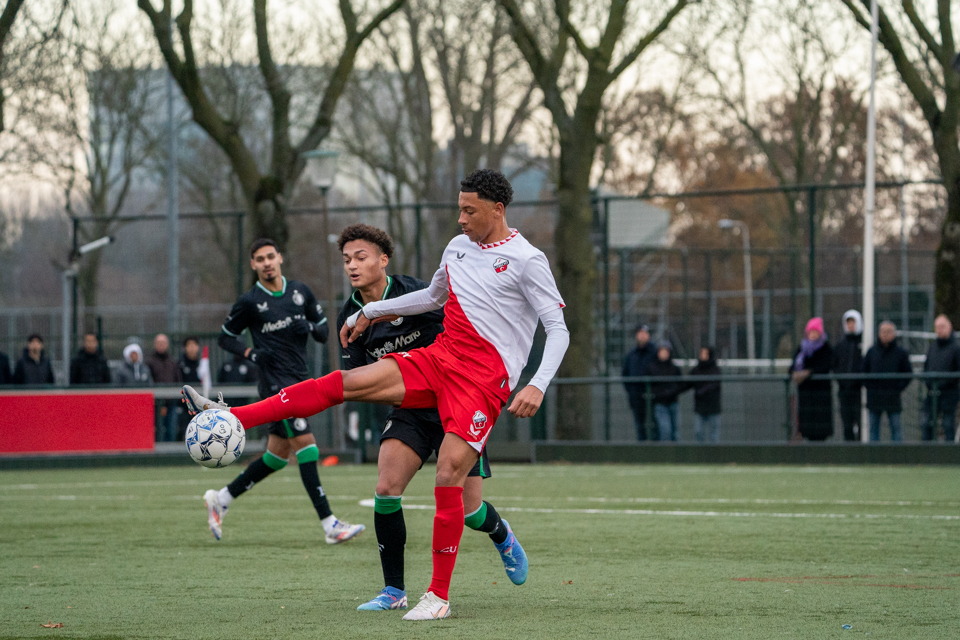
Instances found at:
x=348 y=334
x=302 y=327
x=526 y=403
x=260 y=357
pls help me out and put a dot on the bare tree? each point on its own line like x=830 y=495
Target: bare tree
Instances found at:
x=575 y=111
x=7 y=18
x=923 y=48
x=266 y=189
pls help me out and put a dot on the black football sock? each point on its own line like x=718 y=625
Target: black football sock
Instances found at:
x=487 y=519
x=255 y=472
x=307 y=457
x=391 y=538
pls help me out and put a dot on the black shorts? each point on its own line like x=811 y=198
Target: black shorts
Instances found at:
x=288 y=428
x=422 y=431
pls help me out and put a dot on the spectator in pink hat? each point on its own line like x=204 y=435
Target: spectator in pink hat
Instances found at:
x=814 y=397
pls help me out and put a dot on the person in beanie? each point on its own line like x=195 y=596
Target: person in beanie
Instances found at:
x=666 y=409
x=814 y=397
x=636 y=364
x=848 y=359
x=134 y=372
x=943 y=355
x=706 y=398
x=884 y=395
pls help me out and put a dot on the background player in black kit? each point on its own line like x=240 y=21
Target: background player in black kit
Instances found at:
x=409 y=435
x=280 y=315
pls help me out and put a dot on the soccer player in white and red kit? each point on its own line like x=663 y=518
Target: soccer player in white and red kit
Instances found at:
x=493 y=286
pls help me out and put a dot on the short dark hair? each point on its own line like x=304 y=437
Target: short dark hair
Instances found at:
x=489 y=185
x=192 y=338
x=372 y=235
x=34 y=336
x=260 y=243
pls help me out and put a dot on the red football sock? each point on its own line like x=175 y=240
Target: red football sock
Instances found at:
x=301 y=400
x=447 y=529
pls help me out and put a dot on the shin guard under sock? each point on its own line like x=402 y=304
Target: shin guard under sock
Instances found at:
x=255 y=472
x=447 y=530
x=307 y=458
x=300 y=400
x=487 y=519
x=391 y=538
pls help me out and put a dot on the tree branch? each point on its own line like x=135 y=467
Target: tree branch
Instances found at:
x=911 y=10
x=278 y=92
x=647 y=39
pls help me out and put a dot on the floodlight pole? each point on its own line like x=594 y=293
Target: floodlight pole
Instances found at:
x=748 y=282
x=173 y=219
x=869 y=200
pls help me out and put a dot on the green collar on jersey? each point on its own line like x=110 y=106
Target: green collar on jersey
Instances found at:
x=275 y=294
x=356 y=297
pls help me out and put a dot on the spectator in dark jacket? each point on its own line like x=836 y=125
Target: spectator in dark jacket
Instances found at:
x=33 y=368
x=165 y=370
x=814 y=397
x=636 y=364
x=666 y=409
x=848 y=359
x=190 y=361
x=238 y=371
x=943 y=355
x=706 y=398
x=5 y=376
x=90 y=367
x=884 y=395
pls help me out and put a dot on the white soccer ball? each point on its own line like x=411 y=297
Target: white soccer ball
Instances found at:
x=215 y=438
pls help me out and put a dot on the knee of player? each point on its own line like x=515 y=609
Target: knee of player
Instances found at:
x=386 y=487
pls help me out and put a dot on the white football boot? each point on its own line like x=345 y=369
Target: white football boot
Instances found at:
x=430 y=607
x=215 y=512
x=197 y=403
x=343 y=531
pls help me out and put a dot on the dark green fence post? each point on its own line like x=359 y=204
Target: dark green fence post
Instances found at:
x=788 y=417
x=934 y=401
x=648 y=402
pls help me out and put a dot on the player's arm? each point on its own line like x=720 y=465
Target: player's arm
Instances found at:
x=540 y=289
x=409 y=304
x=235 y=324
x=316 y=323
x=353 y=355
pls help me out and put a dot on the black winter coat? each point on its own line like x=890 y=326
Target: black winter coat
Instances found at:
x=89 y=368
x=665 y=392
x=848 y=358
x=815 y=397
x=706 y=395
x=884 y=395
x=636 y=364
x=30 y=372
x=5 y=376
x=943 y=355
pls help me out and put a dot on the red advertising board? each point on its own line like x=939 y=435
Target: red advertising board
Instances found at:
x=75 y=421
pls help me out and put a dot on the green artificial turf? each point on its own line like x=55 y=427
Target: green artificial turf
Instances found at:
x=615 y=552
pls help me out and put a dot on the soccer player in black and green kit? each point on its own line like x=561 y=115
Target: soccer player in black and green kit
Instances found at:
x=409 y=435
x=280 y=315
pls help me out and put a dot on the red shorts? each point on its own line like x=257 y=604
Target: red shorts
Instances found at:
x=468 y=395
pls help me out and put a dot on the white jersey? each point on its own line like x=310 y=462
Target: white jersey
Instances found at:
x=497 y=292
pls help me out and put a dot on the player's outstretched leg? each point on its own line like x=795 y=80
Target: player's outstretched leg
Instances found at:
x=486 y=519
x=219 y=501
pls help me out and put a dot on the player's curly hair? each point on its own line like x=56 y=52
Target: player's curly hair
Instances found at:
x=372 y=235
x=489 y=185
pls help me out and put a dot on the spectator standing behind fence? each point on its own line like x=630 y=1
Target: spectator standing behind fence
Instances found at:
x=706 y=397
x=814 y=356
x=236 y=372
x=134 y=372
x=636 y=364
x=164 y=370
x=942 y=356
x=189 y=374
x=5 y=376
x=90 y=367
x=33 y=368
x=666 y=409
x=883 y=396
x=848 y=359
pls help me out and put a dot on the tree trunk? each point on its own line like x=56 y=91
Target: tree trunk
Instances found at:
x=947 y=276
x=576 y=268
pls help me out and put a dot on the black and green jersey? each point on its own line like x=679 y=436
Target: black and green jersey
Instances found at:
x=270 y=316
x=403 y=334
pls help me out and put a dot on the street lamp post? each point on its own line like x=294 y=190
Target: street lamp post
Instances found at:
x=321 y=169
x=748 y=281
x=69 y=278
